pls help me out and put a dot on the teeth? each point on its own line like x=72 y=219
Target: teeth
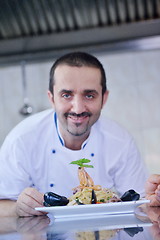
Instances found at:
x=76 y=118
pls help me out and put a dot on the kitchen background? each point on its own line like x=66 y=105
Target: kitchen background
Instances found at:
x=123 y=34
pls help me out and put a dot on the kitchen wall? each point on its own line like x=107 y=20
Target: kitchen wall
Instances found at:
x=134 y=99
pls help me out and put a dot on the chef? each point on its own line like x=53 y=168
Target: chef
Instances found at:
x=35 y=157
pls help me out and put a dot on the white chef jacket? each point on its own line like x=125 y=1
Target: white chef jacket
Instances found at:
x=34 y=155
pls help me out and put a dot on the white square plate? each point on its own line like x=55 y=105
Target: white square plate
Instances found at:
x=90 y=210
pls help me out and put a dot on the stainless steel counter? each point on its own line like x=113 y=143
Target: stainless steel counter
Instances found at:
x=143 y=224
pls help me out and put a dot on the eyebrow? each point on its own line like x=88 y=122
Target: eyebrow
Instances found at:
x=85 y=91
x=66 y=91
x=91 y=91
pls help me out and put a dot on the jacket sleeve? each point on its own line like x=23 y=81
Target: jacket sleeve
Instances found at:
x=13 y=171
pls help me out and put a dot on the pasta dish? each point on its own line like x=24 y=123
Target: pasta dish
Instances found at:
x=88 y=193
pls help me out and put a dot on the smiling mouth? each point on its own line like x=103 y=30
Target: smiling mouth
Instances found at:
x=78 y=121
x=78 y=116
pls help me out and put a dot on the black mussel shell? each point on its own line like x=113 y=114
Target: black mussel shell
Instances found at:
x=53 y=199
x=93 y=197
x=130 y=195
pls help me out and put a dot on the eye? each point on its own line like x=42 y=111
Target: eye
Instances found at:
x=89 y=96
x=66 y=95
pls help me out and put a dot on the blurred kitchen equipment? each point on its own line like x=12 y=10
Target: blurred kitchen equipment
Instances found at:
x=26 y=108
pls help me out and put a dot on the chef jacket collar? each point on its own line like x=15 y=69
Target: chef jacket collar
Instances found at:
x=59 y=134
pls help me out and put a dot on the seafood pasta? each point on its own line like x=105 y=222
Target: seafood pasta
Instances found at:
x=87 y=192
x=102 y=196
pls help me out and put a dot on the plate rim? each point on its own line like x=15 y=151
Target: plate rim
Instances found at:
x=98 y=206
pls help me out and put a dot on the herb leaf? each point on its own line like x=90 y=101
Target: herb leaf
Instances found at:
x=88 y=166
x=81 y=162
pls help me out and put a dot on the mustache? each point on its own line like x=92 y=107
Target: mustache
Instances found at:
x=83 y=114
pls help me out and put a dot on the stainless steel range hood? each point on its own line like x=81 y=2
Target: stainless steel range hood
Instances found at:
x=36 y=30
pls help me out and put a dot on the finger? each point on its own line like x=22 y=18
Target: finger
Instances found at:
x=154 y=202
x=158 y=199
x=32 y=198
x=27 y=211
x=154 y=178
x=29 y=207
x=26 y=206
x=152 y=184
x=36 y=195
x=158 y=191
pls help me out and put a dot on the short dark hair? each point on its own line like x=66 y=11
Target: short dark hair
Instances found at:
x=78 y=59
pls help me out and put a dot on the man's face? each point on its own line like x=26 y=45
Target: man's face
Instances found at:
x=77 y=99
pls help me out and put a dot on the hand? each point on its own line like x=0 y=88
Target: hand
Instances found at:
x=27 y=201
x=153 y=190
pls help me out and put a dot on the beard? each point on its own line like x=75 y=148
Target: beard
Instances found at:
x=78 y=128
x=78 y=131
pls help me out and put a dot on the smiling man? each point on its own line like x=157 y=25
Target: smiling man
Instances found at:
x=36 y=155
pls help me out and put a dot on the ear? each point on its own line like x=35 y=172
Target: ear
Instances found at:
x=51 y=98
x=105 y=97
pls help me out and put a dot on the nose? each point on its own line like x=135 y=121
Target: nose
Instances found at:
x=78 y=105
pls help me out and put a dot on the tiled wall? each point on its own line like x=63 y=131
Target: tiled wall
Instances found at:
x=134 y=99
